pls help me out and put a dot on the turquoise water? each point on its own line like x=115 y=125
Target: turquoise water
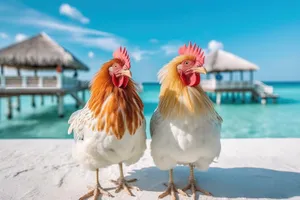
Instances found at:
x=250 y=120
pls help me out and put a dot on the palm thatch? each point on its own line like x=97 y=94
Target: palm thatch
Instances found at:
x=222 y=61
x=39 y=53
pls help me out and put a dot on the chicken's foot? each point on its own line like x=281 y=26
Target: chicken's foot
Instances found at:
x=193 y=185
x=171 y=188
x=122 y=183
x=96 y=191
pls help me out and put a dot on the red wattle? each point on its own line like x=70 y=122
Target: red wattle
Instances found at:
x=191 y=80
x=124 y=81
x=120 y=81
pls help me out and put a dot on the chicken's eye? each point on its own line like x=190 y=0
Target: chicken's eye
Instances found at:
x=187 y=62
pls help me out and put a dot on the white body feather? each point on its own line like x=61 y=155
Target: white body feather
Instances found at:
x=95 y=150
x=194 y=139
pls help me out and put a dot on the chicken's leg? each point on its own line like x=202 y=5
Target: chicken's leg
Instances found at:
x=97 y=191
x=171 y=189
x=122 y=183
x=193 y=185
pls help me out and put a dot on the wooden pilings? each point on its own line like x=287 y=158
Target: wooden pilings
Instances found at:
x=18 y=104
x=243 y=97
x=252 y=97
x=60 y=103
x=60 y=106
x=33 y=88
x=33 y=104
x=230 y=96
x=42 y=100
x=218 y=98
x=9 y=108
x=233 y=97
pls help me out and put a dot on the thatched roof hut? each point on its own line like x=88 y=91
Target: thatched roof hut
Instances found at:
x=39 y=53
x=222 y=61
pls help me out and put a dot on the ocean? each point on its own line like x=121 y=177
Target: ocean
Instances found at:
x=249 y=120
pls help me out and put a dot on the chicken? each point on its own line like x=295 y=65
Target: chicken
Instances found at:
x=185 y=128
x=110 y=129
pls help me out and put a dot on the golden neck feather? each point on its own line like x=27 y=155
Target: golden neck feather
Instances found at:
x=178 y=100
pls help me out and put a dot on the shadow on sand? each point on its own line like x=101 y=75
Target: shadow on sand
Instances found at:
x=227 y=182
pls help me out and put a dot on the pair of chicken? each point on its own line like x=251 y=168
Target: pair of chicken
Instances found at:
x=110 y=129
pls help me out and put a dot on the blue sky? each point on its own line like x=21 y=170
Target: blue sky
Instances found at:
x=266 y=33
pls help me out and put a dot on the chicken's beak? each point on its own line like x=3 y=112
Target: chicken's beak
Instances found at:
x=125 y=72
x=200 y=70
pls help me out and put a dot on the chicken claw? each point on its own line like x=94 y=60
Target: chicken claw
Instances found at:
x=171 y=190
x=96 y=192
x=193 y=185
x=194 y=188
x=122 y=184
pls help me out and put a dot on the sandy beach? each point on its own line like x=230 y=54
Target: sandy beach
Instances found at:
x=246 y=169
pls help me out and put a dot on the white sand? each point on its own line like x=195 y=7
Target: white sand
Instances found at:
x=247 y=169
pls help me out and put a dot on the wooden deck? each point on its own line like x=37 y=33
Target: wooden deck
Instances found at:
x=39 y=91
x=258 y=89
x=14 y=85
x=7 y=92
x=42 y=85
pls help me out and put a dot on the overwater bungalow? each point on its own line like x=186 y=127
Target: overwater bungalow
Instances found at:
x=40 y=53
x=218 y=63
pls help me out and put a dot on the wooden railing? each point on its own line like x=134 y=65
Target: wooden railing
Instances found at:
x=59 y=81
x=28 y=82
x=258 y=86
x=213 y=84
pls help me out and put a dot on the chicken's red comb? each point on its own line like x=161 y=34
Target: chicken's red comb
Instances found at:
x=193 y=50
x=122 y=54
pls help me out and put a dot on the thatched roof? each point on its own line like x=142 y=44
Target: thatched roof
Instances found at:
x=39 y=53
x=222 y=61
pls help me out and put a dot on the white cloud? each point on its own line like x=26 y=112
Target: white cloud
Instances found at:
x=105 y=43
x=170 y=49
x=154 y=41
x=215 y=45
x=20 y=37
x=72 y=12
x=87 y=37
x=22 y=15
x=91 y=54
x=3 y=35
x=137 y=54
x=58 y=26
